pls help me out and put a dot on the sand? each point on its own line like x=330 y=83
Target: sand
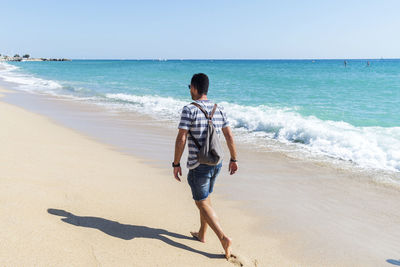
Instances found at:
x=67 y=200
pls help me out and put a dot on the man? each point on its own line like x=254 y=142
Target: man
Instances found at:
x=201 y=177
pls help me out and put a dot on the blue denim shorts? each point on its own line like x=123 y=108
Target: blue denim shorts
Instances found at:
x=201 y=180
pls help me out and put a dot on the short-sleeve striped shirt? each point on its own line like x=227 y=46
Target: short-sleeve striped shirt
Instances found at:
x=193 y=119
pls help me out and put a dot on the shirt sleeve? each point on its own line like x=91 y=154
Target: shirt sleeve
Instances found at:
x=225 y=121
x=186 y=119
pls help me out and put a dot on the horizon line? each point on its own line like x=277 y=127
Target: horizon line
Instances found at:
x=183 y=59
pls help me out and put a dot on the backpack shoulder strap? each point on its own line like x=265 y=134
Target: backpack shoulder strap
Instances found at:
x=213 y=111
x=195 y=140
x=202 y=109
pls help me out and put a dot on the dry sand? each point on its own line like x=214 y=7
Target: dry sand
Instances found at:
x=66 y=200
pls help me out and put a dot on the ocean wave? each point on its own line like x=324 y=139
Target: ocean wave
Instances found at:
x=369 y=147
x=26 y=82
x=165 y=107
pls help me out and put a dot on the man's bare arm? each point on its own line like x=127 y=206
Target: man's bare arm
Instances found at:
x=180 y=145
x=179 y=148
x=233 y=166
x=229 y=141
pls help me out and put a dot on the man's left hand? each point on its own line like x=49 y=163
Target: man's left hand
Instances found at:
x=177 y=172
x=233 y=166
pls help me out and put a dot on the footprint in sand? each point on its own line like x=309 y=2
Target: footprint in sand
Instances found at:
x=241 y=261
x=235 y=260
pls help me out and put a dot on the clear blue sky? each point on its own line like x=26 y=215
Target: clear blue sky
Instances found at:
x=201 y=29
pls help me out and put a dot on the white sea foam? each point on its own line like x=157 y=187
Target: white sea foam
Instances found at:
x=370 y=147
x=26 y=82
x=164 y=107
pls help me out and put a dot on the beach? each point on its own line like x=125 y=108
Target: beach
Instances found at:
x=129 y=213
x=96 y=98
x=81 y=185
x=68 y=200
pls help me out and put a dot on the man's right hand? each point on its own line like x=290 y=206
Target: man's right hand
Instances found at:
x=233 y=167
x=177 y=170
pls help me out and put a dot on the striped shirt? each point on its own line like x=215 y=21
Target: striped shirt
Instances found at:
x=193 y=119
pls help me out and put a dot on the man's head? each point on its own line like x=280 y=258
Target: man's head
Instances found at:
x=199 y=85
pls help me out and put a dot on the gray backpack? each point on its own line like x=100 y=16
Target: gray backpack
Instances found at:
x=211 y=152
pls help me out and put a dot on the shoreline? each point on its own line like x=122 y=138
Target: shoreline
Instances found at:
x=323 y=143
x=289 y=190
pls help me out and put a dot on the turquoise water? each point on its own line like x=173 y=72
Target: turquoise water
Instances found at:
x=349 y=113
x=357 y=94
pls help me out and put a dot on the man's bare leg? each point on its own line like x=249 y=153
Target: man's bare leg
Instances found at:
x=201 y=234
x=212 y=220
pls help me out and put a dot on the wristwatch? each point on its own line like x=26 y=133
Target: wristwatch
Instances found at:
x=233 y=160
x=177 y=165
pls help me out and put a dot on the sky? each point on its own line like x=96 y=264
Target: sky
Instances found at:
x=206 y=29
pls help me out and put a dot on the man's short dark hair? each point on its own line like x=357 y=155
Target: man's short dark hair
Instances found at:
x=200 y=82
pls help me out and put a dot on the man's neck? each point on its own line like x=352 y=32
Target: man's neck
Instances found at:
x=203 y=97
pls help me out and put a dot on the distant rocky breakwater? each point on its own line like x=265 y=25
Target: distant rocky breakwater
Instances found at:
x=28 y=58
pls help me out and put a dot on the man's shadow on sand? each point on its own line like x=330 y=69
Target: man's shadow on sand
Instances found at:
x=127 y=231
x=394 y=262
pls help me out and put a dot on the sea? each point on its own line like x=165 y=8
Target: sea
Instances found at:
x=324 y=110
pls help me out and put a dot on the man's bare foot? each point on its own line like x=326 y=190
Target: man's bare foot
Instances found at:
x=226 y=244
x=197 y=236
